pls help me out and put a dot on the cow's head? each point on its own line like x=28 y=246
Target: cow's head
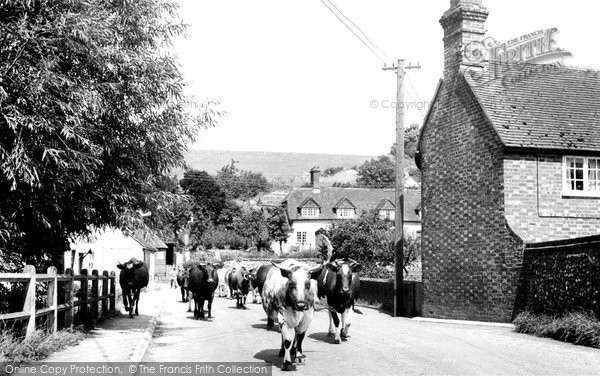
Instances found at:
x=300 y=292
x=130 y=265
x=343 y=278
x=210 y=272
x=245 y=280
x=251 y=277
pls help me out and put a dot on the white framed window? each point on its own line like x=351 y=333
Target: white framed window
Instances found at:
x=581 y=176
x=301 y=237
x=387 y=214
x=345 y=213
x=310 y=212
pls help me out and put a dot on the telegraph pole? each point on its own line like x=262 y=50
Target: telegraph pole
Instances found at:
x=398 y=309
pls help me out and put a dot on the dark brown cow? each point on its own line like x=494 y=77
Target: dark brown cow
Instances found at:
x=183 y=280
x=339 y=287
x=240 y=284
x=202 y=284
x=133 y=277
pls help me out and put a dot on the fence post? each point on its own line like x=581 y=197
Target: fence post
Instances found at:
x=52 y=300
x=69 y=299
x=94 y=305
x=29 y=306
x=113 y=293
x=105 y=282
x=83 y=296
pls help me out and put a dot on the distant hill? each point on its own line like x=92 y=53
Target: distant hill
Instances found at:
x=274 y=166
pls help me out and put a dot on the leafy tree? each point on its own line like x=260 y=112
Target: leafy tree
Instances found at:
x=210 y=199
x=330 y=171
x=241 y=184
x=377 y=173
x=169 y=211
x=90 y=115
x=252 y=226
x=411 y=139
x=278 y=226
x=370 y=241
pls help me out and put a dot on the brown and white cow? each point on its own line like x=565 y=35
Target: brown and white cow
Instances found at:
x=338 y=289
x=288 y=298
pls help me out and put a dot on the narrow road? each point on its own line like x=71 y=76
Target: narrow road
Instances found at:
x=378 y=345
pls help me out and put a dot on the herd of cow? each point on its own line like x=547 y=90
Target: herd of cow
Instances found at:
x=288 y=292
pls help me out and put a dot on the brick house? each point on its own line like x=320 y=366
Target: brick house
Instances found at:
x=316 y=207
x=506 y=164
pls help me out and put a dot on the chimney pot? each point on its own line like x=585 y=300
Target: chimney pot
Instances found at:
x=463 y=23
x=315 y=177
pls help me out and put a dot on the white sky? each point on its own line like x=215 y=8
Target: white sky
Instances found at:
x=293 y=79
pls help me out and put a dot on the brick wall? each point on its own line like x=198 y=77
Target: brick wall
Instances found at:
x=561 y=279
x=373 y=291
x=535 y=208
x=471 y=258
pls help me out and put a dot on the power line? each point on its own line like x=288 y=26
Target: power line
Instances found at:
x=360 y=30
x=353 y=32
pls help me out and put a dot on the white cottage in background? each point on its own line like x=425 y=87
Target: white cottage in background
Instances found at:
x=104 y=248
x=310 y=209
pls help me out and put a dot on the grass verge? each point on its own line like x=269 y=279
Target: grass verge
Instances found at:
x=578 y=328
x=39 y=346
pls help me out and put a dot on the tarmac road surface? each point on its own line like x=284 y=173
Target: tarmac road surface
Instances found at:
x=378 y=345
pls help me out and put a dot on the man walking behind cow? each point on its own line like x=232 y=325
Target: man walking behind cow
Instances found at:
x=323 y=245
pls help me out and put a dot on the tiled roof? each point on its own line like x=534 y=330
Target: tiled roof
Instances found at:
x=149 y=240
x=363 y=198
x=541 y=107
x=272 y=199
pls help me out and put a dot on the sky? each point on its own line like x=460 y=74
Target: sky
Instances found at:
x=292 y=78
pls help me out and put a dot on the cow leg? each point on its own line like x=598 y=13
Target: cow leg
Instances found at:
x=126 y=300
x=137 y=301
x=131 y=302
x=331 y=330
x=201 y=307
x=288 y=334
x=336 y=323
x=270 y=323
x=210 y=300
x=346 y=322
x=301 y=332
x=196 y=313
x=190 y=297
x=299 y=353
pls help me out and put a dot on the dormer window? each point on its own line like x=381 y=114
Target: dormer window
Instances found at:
x=346 y=213
x=310 y=212
x=581 y=176
x=389 y=214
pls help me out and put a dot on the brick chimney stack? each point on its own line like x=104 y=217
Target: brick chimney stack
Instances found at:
x=315 y=177
x=463 y=23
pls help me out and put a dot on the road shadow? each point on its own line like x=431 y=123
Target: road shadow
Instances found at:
x=322 y=336
x=271 y=356
x=200 y=319
x=122 y=322
x=244 y=308
x=264 y=327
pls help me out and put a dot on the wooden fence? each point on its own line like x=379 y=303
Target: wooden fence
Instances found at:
x=94 y=301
